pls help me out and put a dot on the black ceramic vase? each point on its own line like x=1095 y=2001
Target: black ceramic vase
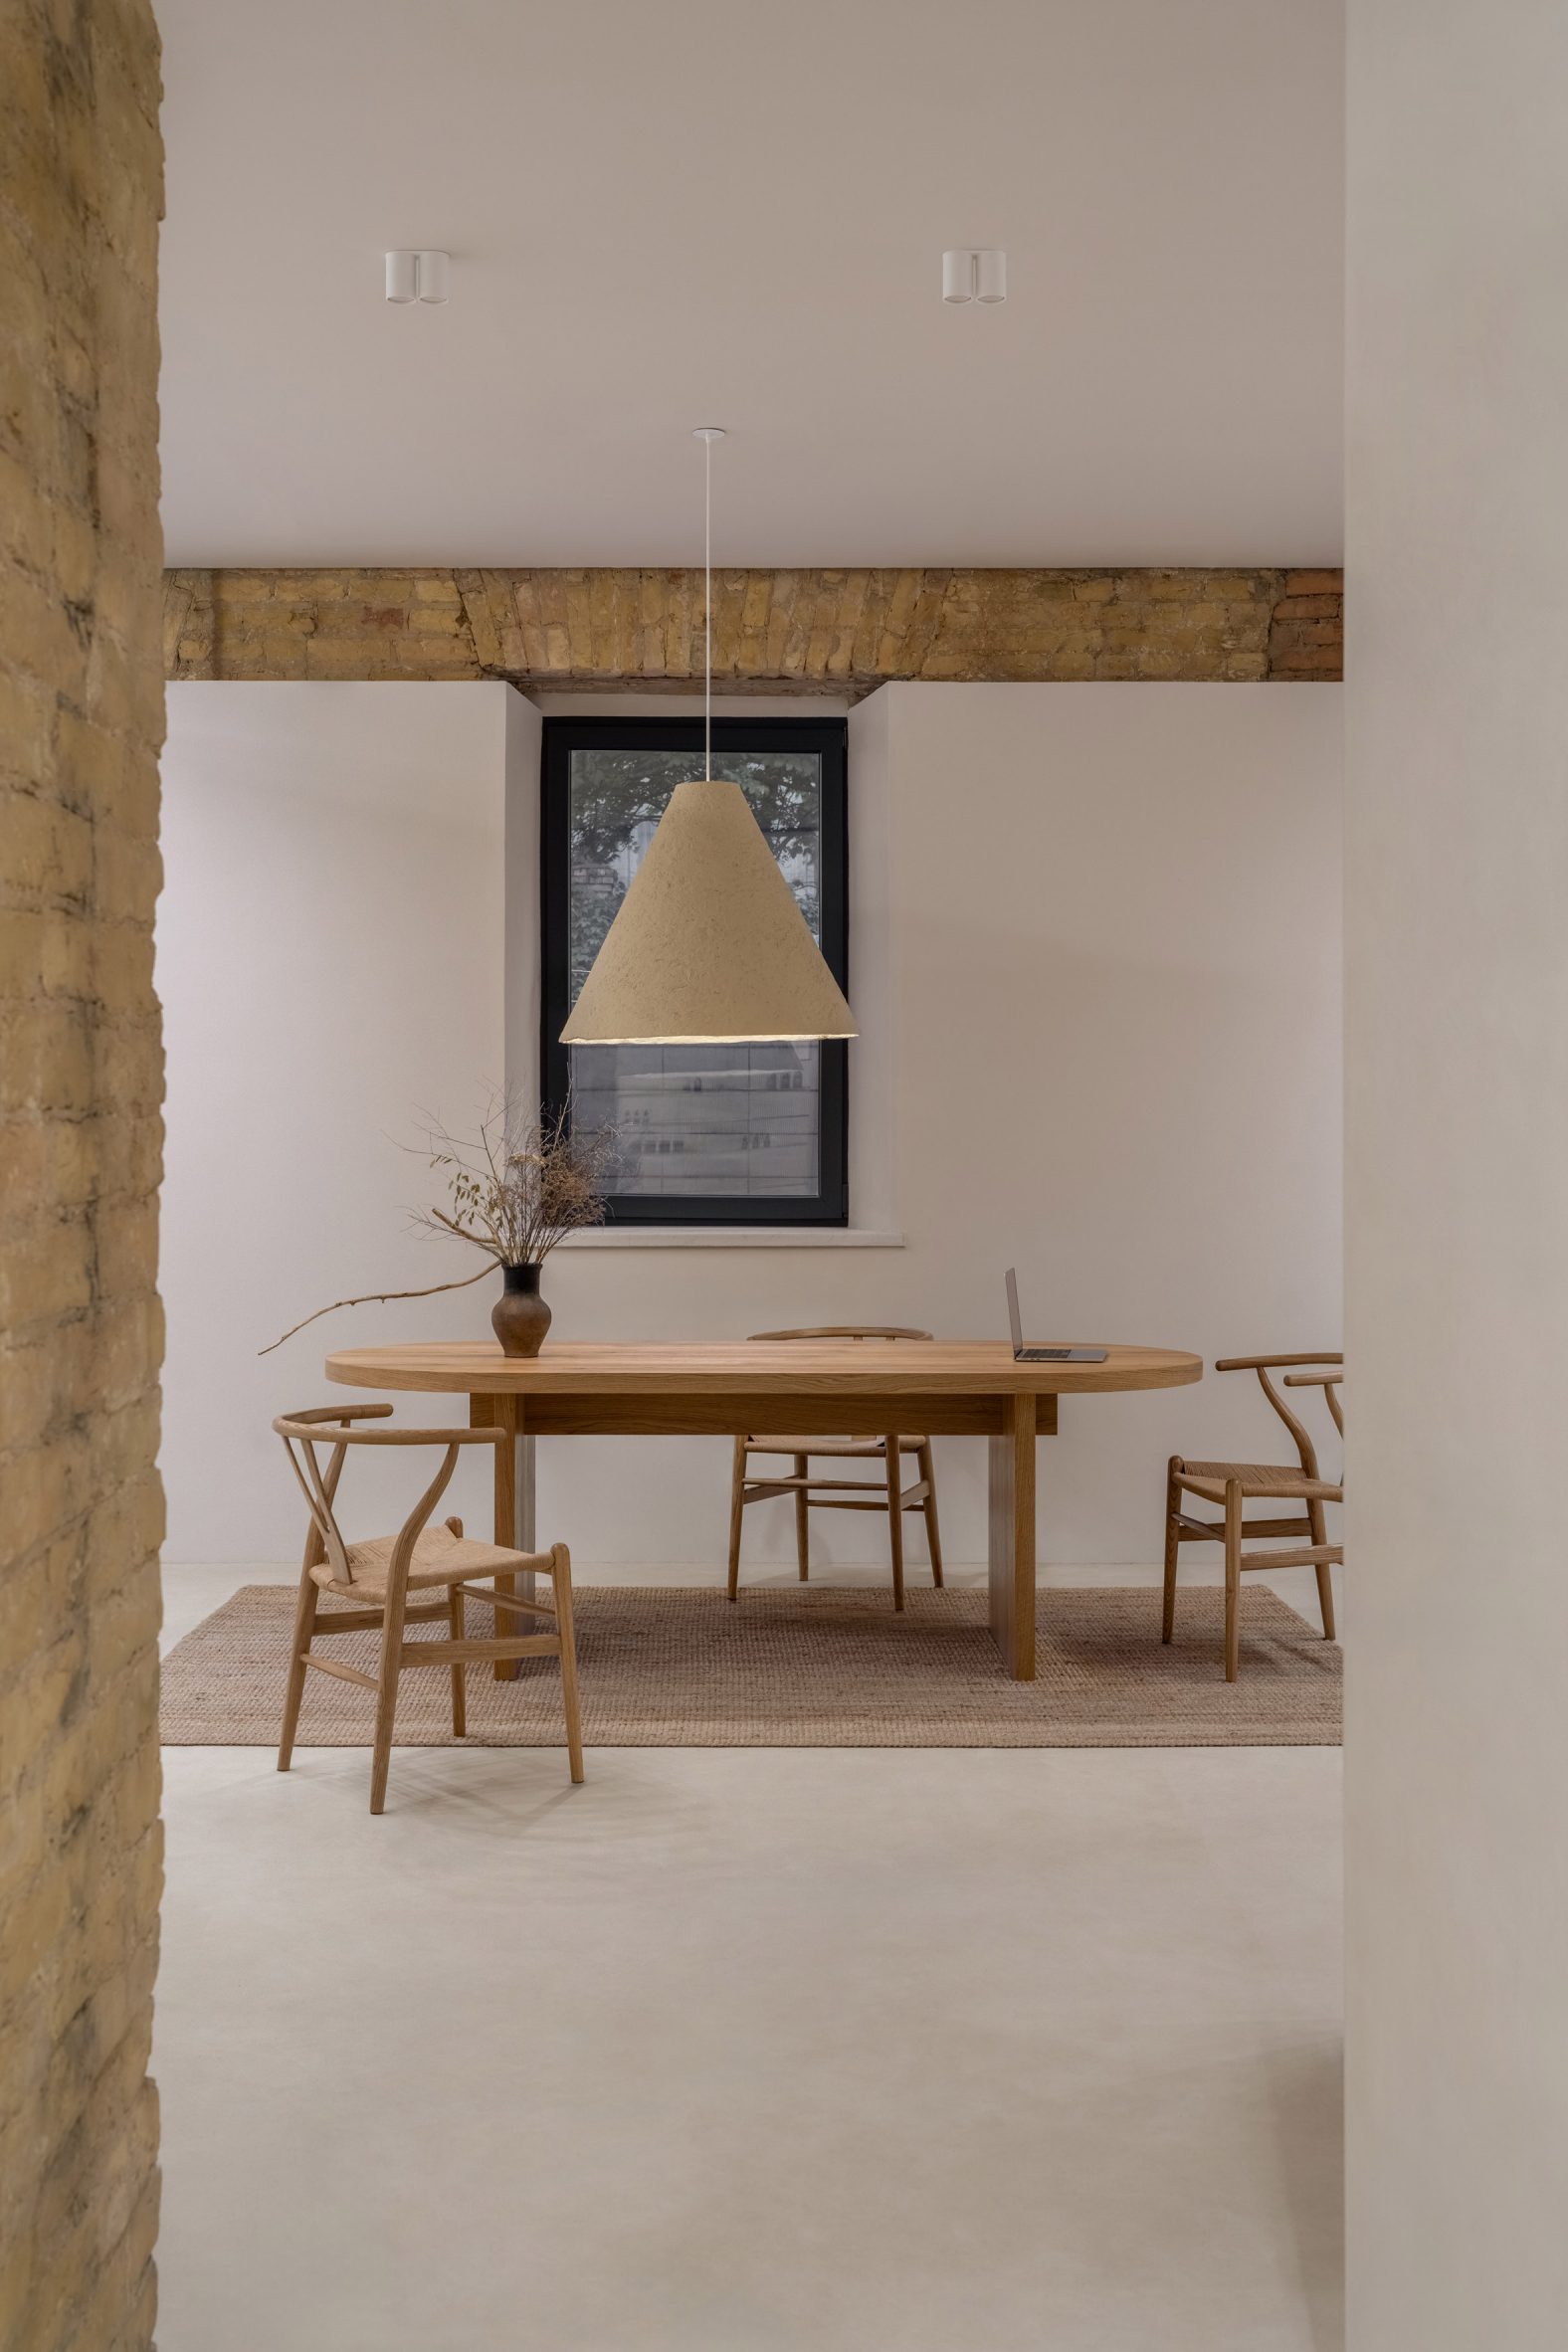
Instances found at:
x=519 y=1316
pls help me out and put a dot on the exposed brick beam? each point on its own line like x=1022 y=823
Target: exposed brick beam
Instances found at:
x=774 y=632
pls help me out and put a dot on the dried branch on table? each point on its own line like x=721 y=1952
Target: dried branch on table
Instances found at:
x=372 y=1298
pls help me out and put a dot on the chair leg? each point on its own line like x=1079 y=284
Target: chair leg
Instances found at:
x=1232 y=1579
x=1172 y=1548
x=303 y=1628
x=802 y=1529
x=561 y=1579
x=895 y=1520
x=460 y=1710
x=1317 y=1521
x=737 y=1504
x=386 y=1700
x=933 y=1533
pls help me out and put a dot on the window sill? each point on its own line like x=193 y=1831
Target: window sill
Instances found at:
x=730 y=1237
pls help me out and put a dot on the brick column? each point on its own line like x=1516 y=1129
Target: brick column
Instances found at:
x=81 y=1083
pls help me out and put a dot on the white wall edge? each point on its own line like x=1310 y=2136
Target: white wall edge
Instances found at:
x=620 y=704
x=730 y=1237
x=524 y=982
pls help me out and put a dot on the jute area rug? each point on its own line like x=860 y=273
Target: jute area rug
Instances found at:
x=803 y=1668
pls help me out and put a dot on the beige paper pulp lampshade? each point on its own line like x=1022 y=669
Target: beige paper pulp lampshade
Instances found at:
x=709 y=945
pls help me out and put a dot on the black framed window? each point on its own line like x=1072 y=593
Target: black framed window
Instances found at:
x=744 y=1134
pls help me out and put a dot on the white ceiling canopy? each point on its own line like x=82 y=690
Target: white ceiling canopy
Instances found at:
x=665 y=211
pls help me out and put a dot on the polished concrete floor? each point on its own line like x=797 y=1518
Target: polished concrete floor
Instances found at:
x=737 y=2050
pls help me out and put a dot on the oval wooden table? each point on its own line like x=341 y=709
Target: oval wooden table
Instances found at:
x=823 y=1388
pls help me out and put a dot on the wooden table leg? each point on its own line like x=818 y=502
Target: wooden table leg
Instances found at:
x=1012 y=1538
x=514 y=1512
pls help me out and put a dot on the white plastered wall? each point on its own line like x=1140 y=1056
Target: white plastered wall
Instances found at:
x=1457 y=1177
x=329 y=958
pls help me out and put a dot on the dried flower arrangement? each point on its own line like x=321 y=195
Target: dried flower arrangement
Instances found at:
x=516 y=1195
x=516 y=1187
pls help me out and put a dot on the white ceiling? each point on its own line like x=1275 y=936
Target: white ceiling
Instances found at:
x=665 y=213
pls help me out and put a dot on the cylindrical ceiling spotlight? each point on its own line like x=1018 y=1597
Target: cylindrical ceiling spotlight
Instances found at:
x=974 y=273
x=991 y=275
x=432 y=277
x=416 y=277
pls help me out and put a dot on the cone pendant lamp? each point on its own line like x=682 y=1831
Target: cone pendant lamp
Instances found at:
x=708 y=946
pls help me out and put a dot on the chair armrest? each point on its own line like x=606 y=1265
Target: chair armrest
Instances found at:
x=326 y=1422
x=489 y=1436
x=332 y=1413
x=1316 y=1355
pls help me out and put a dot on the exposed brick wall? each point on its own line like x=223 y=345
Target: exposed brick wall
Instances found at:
x=774 y=632
x=1306 y=634
x=80 y=1082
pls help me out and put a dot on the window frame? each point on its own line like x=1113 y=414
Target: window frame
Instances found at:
x=829 y=739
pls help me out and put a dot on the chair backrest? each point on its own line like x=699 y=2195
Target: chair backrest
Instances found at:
x=847 y=1331
x=1330 y=1383
x=322 y=1425
x=1325 y=1373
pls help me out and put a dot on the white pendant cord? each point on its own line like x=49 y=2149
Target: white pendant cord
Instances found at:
x=708 y=435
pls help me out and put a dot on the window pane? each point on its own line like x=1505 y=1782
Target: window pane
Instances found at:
x=717 y=1119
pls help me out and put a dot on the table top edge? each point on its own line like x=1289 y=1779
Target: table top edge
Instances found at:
x=586 y=1368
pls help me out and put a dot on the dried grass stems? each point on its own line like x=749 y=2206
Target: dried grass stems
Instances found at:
x=517 y=1186
x=513 y=1191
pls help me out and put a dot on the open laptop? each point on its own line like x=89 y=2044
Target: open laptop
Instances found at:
x=1043 y=1355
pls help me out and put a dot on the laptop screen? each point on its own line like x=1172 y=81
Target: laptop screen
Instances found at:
x=1013 y=1314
